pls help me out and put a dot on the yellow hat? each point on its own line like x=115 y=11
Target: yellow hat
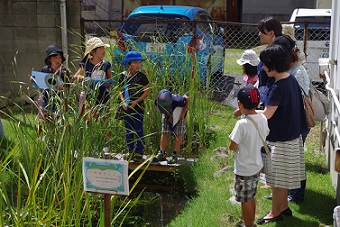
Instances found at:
x=94 y=43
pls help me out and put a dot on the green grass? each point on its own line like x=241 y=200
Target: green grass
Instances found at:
x=209 y=208
x=41 y=175
x=212 y=208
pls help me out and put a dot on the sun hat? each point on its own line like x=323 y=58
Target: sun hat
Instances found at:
x=285 y=41
x=94 y=43
x=132 y=56
x=250 y=57
x=164 y=101
x=53 y=50
x=287 y=29
x=249 y=96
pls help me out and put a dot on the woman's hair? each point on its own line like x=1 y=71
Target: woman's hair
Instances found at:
x=288 y=43
x=270 y=24
x=276 y=57
x=249 y=70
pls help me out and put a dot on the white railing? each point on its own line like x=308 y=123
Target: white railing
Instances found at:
x=335 y=109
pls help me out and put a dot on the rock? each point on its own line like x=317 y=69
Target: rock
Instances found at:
x=223 y=170
x=220 y=153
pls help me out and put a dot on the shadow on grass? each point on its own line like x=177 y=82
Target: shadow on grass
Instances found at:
x=317 y=168
x=295 y=221
x=319 y=206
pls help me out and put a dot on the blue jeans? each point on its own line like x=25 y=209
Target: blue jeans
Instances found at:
x=298 y=194
x=134 y=132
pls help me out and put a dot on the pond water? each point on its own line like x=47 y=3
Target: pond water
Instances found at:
x=163 y=198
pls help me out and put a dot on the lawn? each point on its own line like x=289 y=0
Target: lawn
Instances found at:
x=212 y=206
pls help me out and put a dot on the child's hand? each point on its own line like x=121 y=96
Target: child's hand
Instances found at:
x=125 y=107
x=237 y=113
x=132 y=104
x=31 y=79
x=59 y=88
x=170 y=119
x=78 y=78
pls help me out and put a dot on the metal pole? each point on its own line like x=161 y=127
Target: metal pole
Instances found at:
x=107 y=201
x=64 y=30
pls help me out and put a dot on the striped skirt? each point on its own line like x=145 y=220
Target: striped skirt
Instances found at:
x=288 y=164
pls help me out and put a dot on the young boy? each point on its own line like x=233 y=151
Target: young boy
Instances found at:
x=171 y=105
x=247 y=143
x=135 y=90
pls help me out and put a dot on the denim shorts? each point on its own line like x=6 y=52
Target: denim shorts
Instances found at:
x=245 y=187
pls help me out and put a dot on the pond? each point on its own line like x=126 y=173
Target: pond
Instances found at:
x=163 y=198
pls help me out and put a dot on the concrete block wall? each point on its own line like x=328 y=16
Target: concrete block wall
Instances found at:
x=27 y=28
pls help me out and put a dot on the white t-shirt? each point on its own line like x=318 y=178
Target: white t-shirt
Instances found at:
x=248 y=159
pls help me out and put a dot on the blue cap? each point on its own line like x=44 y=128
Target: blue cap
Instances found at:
x=132 y=56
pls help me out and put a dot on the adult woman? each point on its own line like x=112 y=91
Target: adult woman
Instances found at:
x=287 y=121
x=269 y=28
x=300 y=73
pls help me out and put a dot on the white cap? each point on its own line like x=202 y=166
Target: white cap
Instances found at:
x=250 y=57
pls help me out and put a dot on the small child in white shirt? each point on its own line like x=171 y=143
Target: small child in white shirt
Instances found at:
x=247 y=143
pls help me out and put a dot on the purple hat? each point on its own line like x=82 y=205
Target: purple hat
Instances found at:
x=164 y=101
x=132 y=56
x=53 y=50
x=249 y=96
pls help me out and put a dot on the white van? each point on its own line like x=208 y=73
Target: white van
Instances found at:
x=318 y=23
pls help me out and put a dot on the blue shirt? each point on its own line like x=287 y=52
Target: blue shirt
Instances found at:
x=289 y=119
x=264 y=79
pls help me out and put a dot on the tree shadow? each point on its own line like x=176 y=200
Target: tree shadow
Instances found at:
x=317 y=168
x=319 y=206
x=295 y=221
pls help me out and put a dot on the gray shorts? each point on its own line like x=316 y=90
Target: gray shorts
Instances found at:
x=245 y=187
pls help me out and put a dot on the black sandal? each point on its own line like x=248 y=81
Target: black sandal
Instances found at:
x=263 y=220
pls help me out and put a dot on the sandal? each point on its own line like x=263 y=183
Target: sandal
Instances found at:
x=263 y=220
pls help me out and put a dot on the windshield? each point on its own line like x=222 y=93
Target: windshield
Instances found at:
x=318 y=27
x=164 y=24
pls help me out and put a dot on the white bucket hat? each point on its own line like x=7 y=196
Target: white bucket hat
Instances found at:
x=250 y=57
x=94 y=43
x=287 y=29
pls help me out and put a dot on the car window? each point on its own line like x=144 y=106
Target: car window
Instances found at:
x=162 y=26
x=204 y=27
x=318 y=27
x=314 y=19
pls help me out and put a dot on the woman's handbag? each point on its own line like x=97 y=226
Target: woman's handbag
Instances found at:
x=320 y=103
x=309 y=110
x=265 y=151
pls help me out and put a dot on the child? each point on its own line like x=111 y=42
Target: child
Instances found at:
x=95 y=68
x=54 y=60
x=51 y=99
x=135 y=85
x=167 y=103
x=247 y=143
x=249 y=62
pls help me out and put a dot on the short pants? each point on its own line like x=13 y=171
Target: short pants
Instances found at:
x=178 y=130
x=245 y=187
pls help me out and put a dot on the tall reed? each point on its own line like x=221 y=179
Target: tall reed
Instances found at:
x=41 y=172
